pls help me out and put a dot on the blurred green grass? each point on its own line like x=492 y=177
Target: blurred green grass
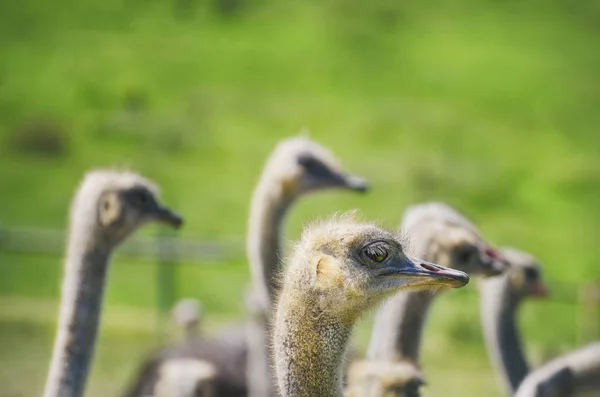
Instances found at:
x=491 y=107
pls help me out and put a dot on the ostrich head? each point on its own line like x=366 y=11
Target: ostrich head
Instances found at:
x=113 y=204
x=440 y=234
x=187 y=313
x=303 y=166
x=353 y=266
x=524 y=276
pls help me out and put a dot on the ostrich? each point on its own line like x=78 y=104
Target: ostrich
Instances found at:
x=259 y=379
x=393 y=378
x=187 y=315
x=501 y=296
x=439 y=234
x=298 y=166
x=338 y=270
x=575 y=374
x=107 y=207
x=174 y=371
x=185 y=377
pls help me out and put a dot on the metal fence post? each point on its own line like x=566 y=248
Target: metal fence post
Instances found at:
x=166 y=279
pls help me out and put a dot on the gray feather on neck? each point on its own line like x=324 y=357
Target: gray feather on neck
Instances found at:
x=89 y=248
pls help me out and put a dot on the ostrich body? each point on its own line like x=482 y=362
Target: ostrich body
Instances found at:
x=107 y=207
x=185 y=377
x=338 y=270
x=297 y=166
x=394 y=378
x=438 y=234
x=575 y=374
x=258 y=369
x=501 y=296
x=227 y=355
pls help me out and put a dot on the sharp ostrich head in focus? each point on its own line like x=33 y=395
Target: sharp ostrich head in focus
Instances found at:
x=451 y=240
x=303 y=166
x=116 y=203
x=340 y=269
x=356 y=264
x=525 y=275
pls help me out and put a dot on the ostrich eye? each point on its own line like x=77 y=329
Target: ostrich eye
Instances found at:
x=531 y=274
x=465 y=253
x=377 y=252
x=313 y=166
x=139 y=198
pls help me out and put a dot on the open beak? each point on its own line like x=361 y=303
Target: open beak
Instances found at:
x=165 y=215
x=538 y=290
x=426 y=273
x=355 y=183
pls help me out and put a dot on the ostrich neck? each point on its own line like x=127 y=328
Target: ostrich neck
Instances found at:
x=82 y=292
x=398 y=327
x=502 y=339
x=576 y=373
x=267 y=212
x=399 y=323
x=259 y=375
x=192 y=332
x=268 y=209
x=310 y=348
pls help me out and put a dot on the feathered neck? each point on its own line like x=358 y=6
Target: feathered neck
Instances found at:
x=309 y=348
x=86 y=268
x=267 y=213
x=502 y=339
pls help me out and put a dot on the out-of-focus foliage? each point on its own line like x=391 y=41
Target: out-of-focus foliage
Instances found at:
x=490 y=106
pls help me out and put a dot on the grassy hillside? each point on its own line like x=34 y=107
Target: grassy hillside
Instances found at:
x=490 y=107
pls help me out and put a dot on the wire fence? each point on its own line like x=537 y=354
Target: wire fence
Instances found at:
x=166 y=247
x=167 y=250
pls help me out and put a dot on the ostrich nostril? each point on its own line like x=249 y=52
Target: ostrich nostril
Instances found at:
x=429 y=267
x=492 y=253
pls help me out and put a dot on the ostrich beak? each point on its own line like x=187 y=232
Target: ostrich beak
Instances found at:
x=539 y=290
x=423 y=273
x=355 y=183
x=165 y=215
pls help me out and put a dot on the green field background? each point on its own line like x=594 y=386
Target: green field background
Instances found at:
x=492 y=107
